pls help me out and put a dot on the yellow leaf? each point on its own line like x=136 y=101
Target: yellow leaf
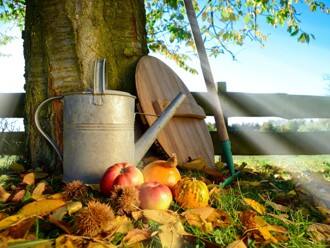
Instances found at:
x=206 y=218
x=56 y=196
x=69 y=208
x=264 y=228
x=161 y=216
x=121 y=224
x=320 y=232
x=29 y=178
x=10 y=220
x=169 y=237
x=21 y=243
x=255 y=205
x=38 y=190
x=41 y=207
x=135 y=236
x=237 y=244
x=4 y=195
x=68 y=241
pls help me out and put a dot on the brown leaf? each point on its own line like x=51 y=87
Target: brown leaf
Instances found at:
x=277 y=206
x=161 y=216
x=135 y=236
x=256 y=224
x=4 y=195
x=61 y=224
x=18 y=196
x=20 y=230
x=320 y=232
x=237 y=244
x=3 y=215
x=255 y=205
x=38 y=191
x=282 y=217
x=29 y=178
x=206 y=218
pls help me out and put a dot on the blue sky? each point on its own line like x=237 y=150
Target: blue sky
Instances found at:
x=283 y=65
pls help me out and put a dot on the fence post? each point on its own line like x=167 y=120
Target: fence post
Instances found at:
x=222 y=90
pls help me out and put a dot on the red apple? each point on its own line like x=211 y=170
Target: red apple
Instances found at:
x=123 y=174
x=154 y=195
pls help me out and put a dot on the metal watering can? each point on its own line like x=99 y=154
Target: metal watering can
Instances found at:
x=99 y=129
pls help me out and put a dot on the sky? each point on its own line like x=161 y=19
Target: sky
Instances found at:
x=283 y=65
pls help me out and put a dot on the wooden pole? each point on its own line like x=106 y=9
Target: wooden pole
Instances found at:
x=207 y=73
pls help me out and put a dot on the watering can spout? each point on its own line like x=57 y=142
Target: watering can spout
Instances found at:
x=145 y=142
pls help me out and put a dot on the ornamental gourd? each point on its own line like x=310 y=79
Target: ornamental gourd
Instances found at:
x=162 y=171
x=191 y=193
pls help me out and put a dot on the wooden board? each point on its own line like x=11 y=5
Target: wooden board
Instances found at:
x=186 y=134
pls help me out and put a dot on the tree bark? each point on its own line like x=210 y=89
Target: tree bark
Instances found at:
x=62 y=39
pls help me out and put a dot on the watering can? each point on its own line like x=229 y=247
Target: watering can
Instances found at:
x=98 y=129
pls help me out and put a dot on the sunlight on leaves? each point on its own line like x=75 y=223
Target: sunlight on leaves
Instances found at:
x=255 y=205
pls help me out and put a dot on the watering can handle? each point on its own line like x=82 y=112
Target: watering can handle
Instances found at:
x=36 y=120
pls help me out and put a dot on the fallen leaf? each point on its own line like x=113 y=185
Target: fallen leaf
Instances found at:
x=320 y=232
x=29 y=178
x=39 y=243
x=38 y=191
x=135 y=236
x=206 y=218
x=20 y=230
x=61 y=224
x=277 y=206
x=253 y=223
x=282 y=217
x=10 y=220
x=255 y=205
x=237 y=244
x=3 y=215
x=169 y=236
x=18 y=196
x=42 y=207
x=4 y=195
x=68 y=241
x=121 y=224
x=136 y=215
x=69 y=208
x=161 y=216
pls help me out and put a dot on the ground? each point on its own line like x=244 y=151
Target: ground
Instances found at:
x=276 y=202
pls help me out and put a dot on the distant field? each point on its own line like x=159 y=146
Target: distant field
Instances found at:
x=292 y=162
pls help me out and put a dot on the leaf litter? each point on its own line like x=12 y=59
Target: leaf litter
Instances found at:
x=259 y=209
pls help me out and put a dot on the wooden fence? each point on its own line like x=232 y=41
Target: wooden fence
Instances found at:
x=234 y=104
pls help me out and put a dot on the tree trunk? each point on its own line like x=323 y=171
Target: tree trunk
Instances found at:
x=62 y=39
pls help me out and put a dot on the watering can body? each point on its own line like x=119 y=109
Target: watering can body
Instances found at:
x=97 y=136
x=98 y=130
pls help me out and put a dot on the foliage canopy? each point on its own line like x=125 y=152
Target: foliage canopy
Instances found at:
x=223 y=23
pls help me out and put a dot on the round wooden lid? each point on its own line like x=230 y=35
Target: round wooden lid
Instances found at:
x=186 y=134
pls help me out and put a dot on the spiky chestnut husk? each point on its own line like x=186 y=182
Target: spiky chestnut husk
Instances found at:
x=75 y=190
x=126 y=199
x=93 y=219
